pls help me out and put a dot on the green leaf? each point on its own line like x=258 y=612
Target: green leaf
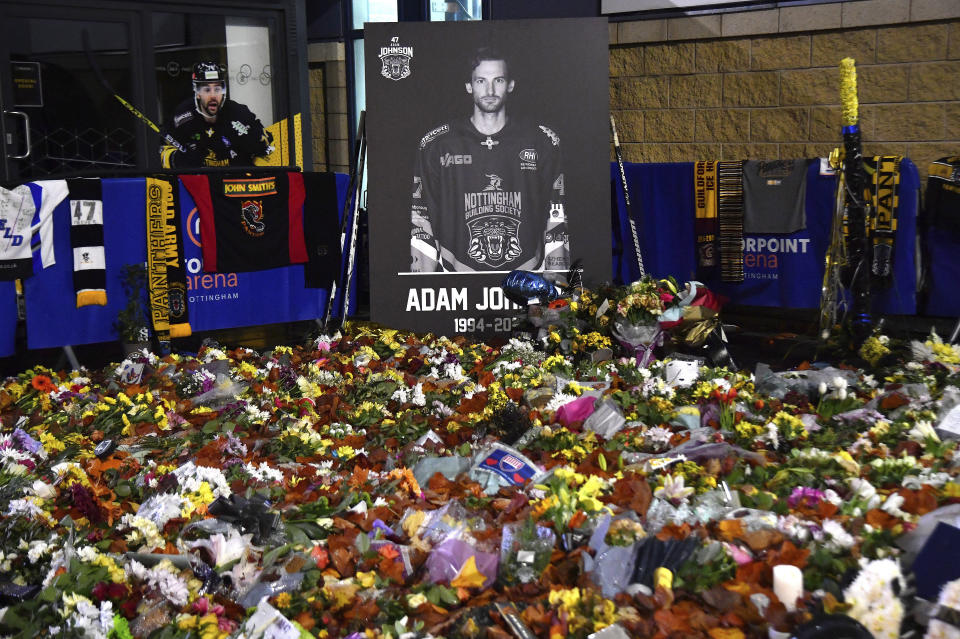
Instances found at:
x=123 y=489
x=449 y=596
x=211 y=427
x=271 y=556
x=363 y=543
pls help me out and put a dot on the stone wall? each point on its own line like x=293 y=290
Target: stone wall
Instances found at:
x=764 y=84
x=328 y=107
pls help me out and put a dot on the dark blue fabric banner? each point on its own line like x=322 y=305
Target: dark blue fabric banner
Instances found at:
x=780 y=270
x=8 y=318
x=943 y=270
x=222 y=300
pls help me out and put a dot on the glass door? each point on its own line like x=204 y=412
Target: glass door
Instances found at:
x=59 y=81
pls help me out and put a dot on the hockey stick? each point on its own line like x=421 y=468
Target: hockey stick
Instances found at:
x=169 y=139
x=626 y=196
x=354 y=230
x=345 y=217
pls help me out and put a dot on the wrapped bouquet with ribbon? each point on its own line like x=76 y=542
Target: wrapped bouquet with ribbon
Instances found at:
x=637 y=313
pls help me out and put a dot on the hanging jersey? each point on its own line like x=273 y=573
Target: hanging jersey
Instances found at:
x=47 y=195
x=321 y=229
x=774 y=196
x=249 y=223
x=943 y=195
x=20 y=219
x=488 y=202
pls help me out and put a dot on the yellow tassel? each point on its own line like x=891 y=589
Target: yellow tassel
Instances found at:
x=180 y=330
x=91 y=298
x=848 y=92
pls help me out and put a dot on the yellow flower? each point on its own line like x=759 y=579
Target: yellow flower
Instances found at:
x=416 y=600
x=283 y=600
x=565 y=599
x=366 y=579
x=951 y=490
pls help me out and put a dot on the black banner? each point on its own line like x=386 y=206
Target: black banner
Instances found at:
x=488 y=151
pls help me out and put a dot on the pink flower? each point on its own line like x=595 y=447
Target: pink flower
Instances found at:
x=802 y=495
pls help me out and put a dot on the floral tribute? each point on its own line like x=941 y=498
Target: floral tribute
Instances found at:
x=375 y=483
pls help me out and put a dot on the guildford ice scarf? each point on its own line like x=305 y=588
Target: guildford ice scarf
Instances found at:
x=86 y=240
x=166 y=277
x=706 y=224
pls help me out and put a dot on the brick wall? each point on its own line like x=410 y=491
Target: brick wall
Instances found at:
x=764 y=84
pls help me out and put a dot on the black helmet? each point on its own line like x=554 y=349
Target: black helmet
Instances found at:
x=207 y=73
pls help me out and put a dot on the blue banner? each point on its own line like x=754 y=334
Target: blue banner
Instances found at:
x=8 y=319
x=216 y=301
x=779 y=270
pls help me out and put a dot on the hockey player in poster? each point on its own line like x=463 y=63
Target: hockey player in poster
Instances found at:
x=488 y=191
x=214 y=130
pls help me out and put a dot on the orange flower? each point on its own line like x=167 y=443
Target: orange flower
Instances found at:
x=43 y=384
x=560 y=303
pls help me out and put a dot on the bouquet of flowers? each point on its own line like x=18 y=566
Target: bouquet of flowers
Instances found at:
x=644 y=301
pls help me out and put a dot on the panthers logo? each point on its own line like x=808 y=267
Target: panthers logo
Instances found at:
x=494 y=240
x=251 y=217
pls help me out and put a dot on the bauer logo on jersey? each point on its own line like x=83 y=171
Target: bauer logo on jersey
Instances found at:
x=396 y=60
x=528 y=160
x=417 y=187
x=554 y=138
x=251 y=217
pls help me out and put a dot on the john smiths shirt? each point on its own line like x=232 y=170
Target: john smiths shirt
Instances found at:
x=488 y=202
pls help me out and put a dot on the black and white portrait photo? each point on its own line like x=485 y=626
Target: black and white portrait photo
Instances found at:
x=487 y=153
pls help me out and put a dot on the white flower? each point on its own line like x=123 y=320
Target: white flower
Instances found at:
x=949 y=597
x=264 y=472
x=673 y=489
x=839 y=382
x=838 y=538
x=162 y=579
x=419 y=399
x=224 y=549
x=822 y=388
x=922 y=431
x=37 y=549
x=872 y=598
x=892 y=506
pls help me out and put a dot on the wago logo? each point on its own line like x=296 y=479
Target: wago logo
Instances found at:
x=448 y=159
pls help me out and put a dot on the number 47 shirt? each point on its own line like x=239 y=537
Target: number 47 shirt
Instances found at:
x=249 y=223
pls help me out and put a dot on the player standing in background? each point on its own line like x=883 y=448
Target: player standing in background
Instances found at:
x=214 y=130
x=488 y=189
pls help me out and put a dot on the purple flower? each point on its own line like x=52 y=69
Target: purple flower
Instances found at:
x=802 y=495
x=25 y=441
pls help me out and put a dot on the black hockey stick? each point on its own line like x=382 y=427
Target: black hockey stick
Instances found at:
x=347 y=207
x=169 y=139
x=354 y=231
x=626 y=196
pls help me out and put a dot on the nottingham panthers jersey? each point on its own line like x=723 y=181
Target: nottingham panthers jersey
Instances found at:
x=488 y=202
